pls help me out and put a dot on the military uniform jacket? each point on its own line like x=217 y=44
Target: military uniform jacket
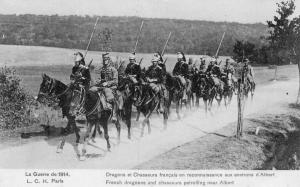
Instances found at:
x=228 y=69
x=182 y=69
x=109 y=74
x=163 y=67
x=202 y=68
x=133 y=69
x=216 y=70
x=155 y=72
x=81 y=75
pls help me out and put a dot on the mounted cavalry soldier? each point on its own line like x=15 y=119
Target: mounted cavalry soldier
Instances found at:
x=107 y=83
x=80 y=73
x=202 y=68
x=154 y=76
x=229 y=72
x=181 y=71
x=215 y=75
x=191 y=68
x=161 y=62
x=133 y=69
x=248 y=71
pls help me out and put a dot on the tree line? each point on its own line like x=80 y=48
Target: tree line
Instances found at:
x=190 y=36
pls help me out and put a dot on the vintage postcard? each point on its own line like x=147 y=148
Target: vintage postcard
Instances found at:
x=149 y=93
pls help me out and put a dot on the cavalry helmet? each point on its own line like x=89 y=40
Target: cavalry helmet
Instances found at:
x=180 y=55
x=105 y=56
x=159 y=56
x=131 y=56
x=78 y=56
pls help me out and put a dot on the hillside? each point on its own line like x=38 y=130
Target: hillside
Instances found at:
x=191 y=36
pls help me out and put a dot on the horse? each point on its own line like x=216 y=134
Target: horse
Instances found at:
x=173 y=85
x=249 y=87
x=229 y=89
x=148 y=103
x=209 y=92
x=51 y=88
x=197 y=87
x=89 y=103
x=126 y=89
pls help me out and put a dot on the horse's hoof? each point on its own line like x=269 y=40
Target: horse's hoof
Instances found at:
x=82 y=158
x=59 y=150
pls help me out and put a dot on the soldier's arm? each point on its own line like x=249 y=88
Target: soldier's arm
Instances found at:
x=127 y=70
x=174 y=72
x=72 y=76
x=113 y=82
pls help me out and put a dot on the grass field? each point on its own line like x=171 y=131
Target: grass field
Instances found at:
x=30 y=62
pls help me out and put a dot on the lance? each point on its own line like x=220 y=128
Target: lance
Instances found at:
x=141 y=61
x=87 y=47
x=138 y=37
x=220 y=45
x=165 y=60
x=163 y=51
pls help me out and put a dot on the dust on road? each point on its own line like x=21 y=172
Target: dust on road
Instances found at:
x=130 y=153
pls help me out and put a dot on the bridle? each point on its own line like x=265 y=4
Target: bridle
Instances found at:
x=51 y=94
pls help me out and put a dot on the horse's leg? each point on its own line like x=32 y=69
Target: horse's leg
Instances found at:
x=118 y=126
x=166 y=115
x=87 y=136
x=148 y=124
x=99 y=130
x=177 y=109
x=138 y=114
x=143 y=126
x=71 y=123
x=205 y=105
x=104 y=123
x=128 y=120
x=61 y=144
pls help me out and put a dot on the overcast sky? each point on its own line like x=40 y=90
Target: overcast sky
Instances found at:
x=245 y=11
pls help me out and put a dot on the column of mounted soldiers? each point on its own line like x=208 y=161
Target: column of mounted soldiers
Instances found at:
x=154 y=77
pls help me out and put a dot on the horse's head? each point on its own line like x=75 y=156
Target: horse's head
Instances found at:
x=46 y=87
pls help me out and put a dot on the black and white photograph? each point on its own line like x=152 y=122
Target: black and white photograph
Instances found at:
x=150 y=85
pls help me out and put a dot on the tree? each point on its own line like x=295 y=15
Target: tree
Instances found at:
x=243 y=50
x=296 y=48
x=285 y=35
x=282 y=33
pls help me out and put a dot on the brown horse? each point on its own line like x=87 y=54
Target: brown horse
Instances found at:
x=88 y=103
x=56 y=90
x=149 y=102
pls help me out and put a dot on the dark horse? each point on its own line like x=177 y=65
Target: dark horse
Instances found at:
x=53 y=89
x=198 y=83
x=88 y=103
x=149 y=102
x=229 y=89
x=173 y=85
x=126 y=90
x=209 y=92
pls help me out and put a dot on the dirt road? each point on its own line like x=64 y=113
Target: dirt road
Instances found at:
x=130 y=153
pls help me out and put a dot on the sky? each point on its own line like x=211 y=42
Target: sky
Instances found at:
x=243 y=11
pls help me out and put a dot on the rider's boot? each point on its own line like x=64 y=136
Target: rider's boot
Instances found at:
x=105 y=104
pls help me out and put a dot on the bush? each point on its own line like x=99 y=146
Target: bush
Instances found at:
x=15 y=103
